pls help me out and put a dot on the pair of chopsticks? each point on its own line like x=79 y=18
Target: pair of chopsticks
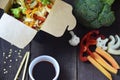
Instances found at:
x=24 y=60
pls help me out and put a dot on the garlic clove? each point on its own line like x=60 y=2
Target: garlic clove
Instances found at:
x=117 y=44
x=74 y=41
x=102 y=43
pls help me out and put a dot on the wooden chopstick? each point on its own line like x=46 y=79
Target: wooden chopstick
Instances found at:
x=26 y=63
x=26 y=57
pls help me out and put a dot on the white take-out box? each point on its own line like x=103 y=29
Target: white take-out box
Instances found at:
x=17 y=33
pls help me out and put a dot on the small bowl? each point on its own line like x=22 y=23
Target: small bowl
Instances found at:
x=48 y=59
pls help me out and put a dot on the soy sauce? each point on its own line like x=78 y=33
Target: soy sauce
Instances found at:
x=43 y=71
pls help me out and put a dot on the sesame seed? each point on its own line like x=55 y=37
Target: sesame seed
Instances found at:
x=4 y=69
x=3 y=53
x=15 y=50
x=10 y=66
x=9 y=55
x=4 y=72
x=19 y=50
x=4 y=62
x=20 y=56
x=16 y=59
x=6 y=57
x=19 y=53
x=10 y=60
x=10 y=50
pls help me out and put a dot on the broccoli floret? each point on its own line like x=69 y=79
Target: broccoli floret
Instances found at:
x=16 y=12
x=18 y=8
x=110 y=2
x=45 y=2
x=106 y=17
x=88 y=9
x=94 y=13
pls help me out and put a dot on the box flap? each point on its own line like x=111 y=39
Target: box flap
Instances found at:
x=20 y=34
x=59 y=19
x=5 y=4
x=15 y=31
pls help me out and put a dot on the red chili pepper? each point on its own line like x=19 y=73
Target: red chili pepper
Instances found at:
x=85 y=51
x=36 y=17
x=88 y=40
x=40 y=4
x=49 y=6
x=28 y=1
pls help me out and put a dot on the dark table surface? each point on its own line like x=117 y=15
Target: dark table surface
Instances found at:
x=71 y=68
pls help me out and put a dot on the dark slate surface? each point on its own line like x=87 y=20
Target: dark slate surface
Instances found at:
x=71 y=68
x=10 y=58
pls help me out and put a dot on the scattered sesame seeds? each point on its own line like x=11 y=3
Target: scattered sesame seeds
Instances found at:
x=10 y=57
x=5 y=72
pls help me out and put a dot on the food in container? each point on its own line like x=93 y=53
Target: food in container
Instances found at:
x=59 y=19
x=33 y=13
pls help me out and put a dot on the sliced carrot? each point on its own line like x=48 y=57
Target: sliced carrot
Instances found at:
x=28 y=11
x=108 y=57
x=31 y=23
x=102 y=62
x=99 y=67
x=34 y=10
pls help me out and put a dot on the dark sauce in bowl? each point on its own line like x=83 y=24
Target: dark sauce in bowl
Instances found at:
x=43 y=71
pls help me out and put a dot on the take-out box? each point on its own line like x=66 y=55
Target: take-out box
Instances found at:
x=17 y=33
